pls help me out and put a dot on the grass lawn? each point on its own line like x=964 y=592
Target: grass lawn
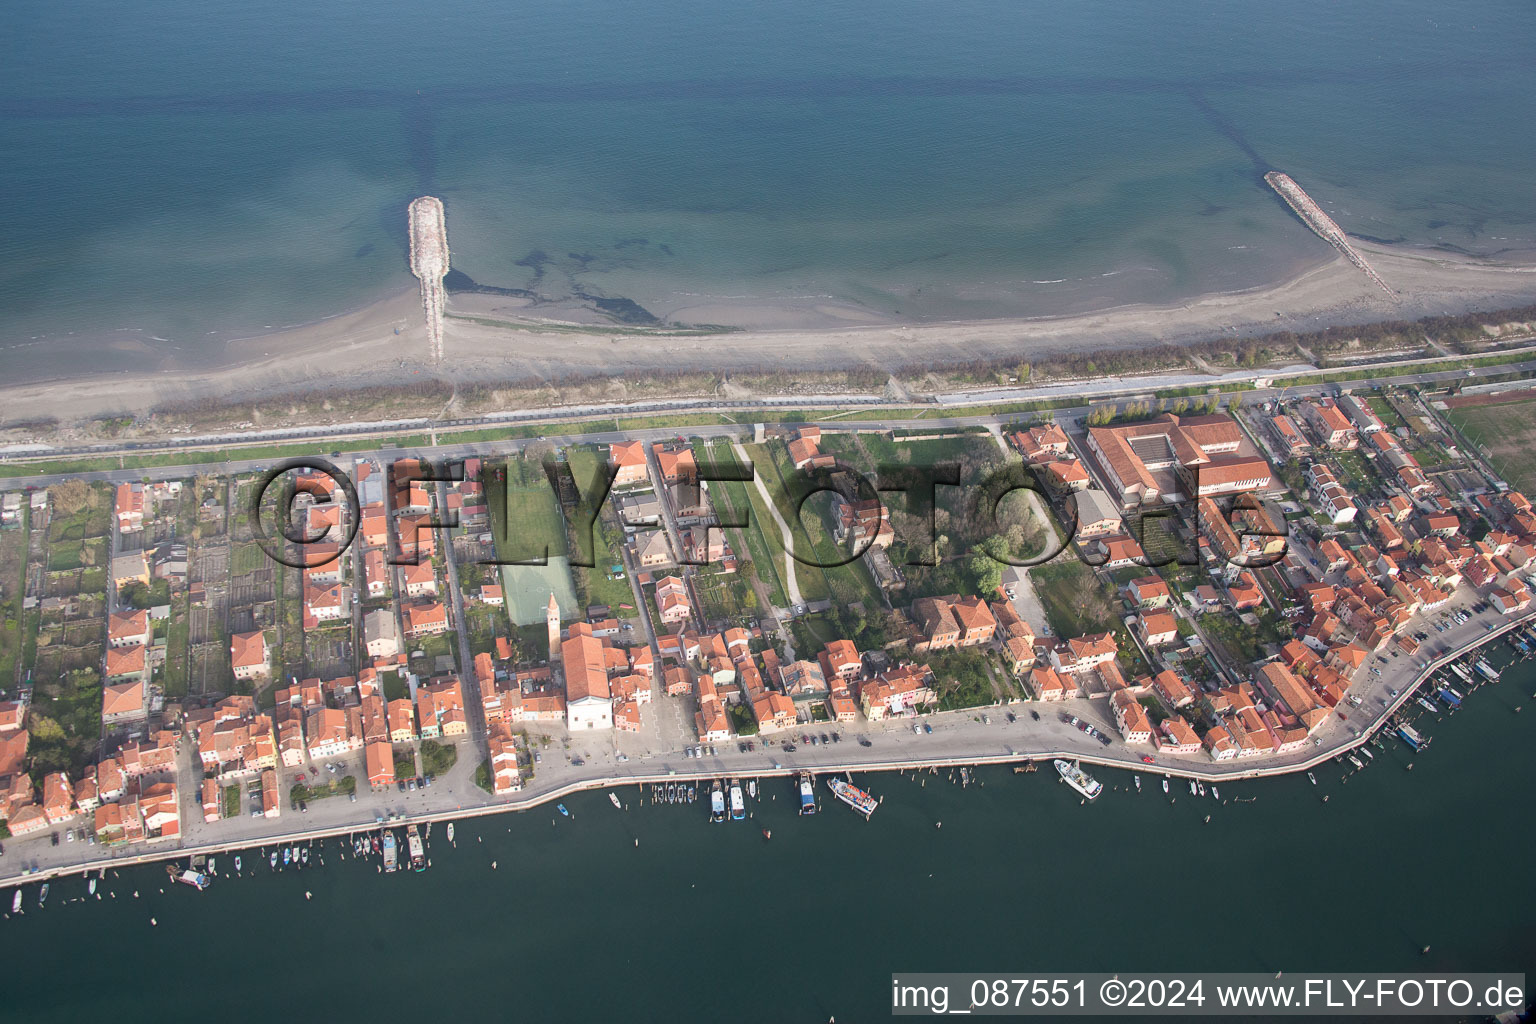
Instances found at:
x=1507 y=432
x=526 y=521
x=753 y=542
x=1075 y=600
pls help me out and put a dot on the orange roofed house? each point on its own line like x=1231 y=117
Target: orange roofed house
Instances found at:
x=628 y=459
x=248 y=655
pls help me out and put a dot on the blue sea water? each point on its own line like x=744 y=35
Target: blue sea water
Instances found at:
x=187 y=171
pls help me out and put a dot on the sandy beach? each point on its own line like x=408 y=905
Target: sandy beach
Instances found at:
x=363 y=349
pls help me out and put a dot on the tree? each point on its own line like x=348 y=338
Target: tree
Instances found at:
x=986 y=574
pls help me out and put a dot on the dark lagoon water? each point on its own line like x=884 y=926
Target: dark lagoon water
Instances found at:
x=706 y=921
x=186 y=170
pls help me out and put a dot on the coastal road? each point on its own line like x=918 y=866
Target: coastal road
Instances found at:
x=957 y=738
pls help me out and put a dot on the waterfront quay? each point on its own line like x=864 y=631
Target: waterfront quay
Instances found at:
x=958 y=738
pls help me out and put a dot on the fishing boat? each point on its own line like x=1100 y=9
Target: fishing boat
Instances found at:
x=853 y=796
x=16 y=902
x=1450 y=699
x=807 y=794
x=1487 y=670
x=562 y=810
x=738 y=805
x=1312 y=778
x=1356 y=761
x=1412 y=737
x=1165 y=785
x=614 y=799
x=391 y=855
x=92 y=887
x=42 y=895
x=1461 y=670
x=196 y=879
x=1073 y=775
x=417 y=850
x=716 y=803
x=450 y=831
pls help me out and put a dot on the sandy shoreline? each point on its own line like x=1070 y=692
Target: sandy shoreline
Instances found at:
x=362 y=348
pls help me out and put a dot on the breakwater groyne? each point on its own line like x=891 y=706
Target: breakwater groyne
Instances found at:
x=1313 y=217
x=429 y=262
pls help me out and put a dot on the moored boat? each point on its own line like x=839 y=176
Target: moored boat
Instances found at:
x=1165 y=784
x=42 y=895
x=562 y=810
x=807 y=794
x=738 y=805
x=416 y=849
x=16 y=902
x=450 y=831
x=391 y=855
x=613 y=798
x=196 y=879
x=1312 y=778
x=853 y=796
x=716 y=803
x=1412 y=737
x=1073 y=775
x=1487 y=670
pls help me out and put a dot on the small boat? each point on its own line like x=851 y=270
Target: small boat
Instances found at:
x=1201 y=787
x=273 y=860
x=807 y=794
x=213 y=865
x=196 y=879
x=92 y=887
x=562 y=810
x=1312 y=778
x=1137 y=780
x=237 y=863
x=1426 y=705
x=1192 y=790
x=752 y=788
x=16 y=902
x=416 y=848
x=738 y=805
x=42 y=895
x=286 y=856
x=450 y=831
x=304 y=856
x=1367 y=752
x=1215 y=793
x=767 y=833
x=717 y=803
x=614 y=799
x=1165 y=785
x=1073 y=775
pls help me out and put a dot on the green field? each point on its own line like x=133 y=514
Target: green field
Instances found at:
x=1507 y=432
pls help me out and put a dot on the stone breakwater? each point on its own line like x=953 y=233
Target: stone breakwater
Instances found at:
x=1313 y=217
x=429 y=262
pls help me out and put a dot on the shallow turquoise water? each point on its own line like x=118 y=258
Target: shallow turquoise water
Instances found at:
x=180 y=169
